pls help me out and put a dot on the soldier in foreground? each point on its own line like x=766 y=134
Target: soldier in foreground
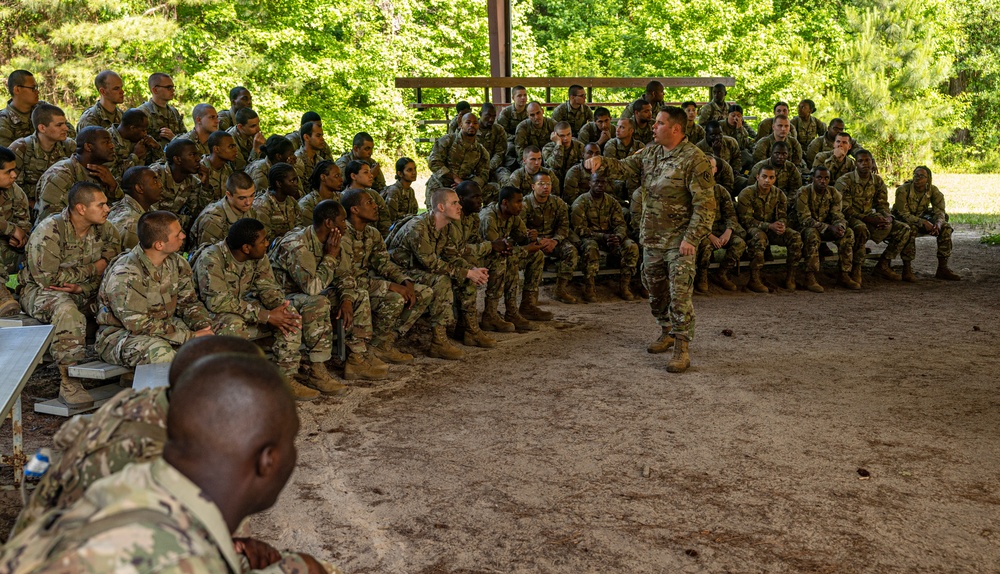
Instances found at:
x=920 y=204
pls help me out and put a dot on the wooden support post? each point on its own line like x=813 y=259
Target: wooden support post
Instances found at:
x=498 y=14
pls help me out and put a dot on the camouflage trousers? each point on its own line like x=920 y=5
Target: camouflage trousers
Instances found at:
x=758 y=241
x=381 y=311
x=669 y=277
x=117 y=346
x=9 y=258
x=896 y=236
x=566 y=257
x=943 y=242
x=317 y=328
x=285 y=348
x=811 y=240
x=627 y=255
x=67 y=313
x=499 y=176
x=504 y=279
x=734 y=250
x=447 y=291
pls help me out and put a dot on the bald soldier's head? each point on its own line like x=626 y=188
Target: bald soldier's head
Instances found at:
x=231 y=431
x=200 y=347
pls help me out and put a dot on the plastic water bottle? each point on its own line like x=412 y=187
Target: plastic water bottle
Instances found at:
x=38 y=464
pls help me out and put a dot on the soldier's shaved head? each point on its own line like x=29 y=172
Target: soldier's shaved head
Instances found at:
x=207 y=346
x=89 y=135
x=154 y=226
x=440 y=196
x=156 y=78
x=201 y=110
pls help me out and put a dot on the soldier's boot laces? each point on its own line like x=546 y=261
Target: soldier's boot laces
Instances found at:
x=856 y=274
x=884 y=269
x=8 y=306
x=625 y=288
x=790 y=279
x=321 y=380
x=663 y=344
x=755 y=284
x=680 y=361
x=359 y=367
x=529 y=308
x=724 y=281
x=562 y=293
x=385 y=349
x=943 y=272
x=908 y=274
x=589 y=290
x=492 y=321
x=441 y=347
x=71 y=391
x=701 y=281
x=847 y=281
x=521 y=325
x=473 y=336
x=811 y=283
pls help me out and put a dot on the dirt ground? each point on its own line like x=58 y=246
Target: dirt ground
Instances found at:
x=837 y=432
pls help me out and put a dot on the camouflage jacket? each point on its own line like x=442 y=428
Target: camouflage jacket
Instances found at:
x=509 y=119
x=179 y=198
x=419 y=245
x=837 y=168
x=138 y=298
x=466 y=237
x=786 y=178
x=762 y=150
x=300 y=265
x=247 y=154
x=588 y=217
x=227 y=119
x=729 y=151
x=764 y=129
x=32 y=161
x=644 y=133
x=13 y=211
x=378 y=184
x=214 y=222
x=577 y=182
x=124 y=215
x=214 y=187
x=724 y=175
x=812 y=207
x=757 y=211
x=713 y=111
x=55 y=255
x=741 y=135
x=257 y=171
x=494 y=141
x=401 y=202
x=15 y=125
x=225 y=285
x=678 y=203
x=192 y=135
x=125 y=156
x=615 y=149
x=911 y=206
x=806 y=131
x=590 y=133
x=278 y=217
x=575 y=118
x=551 y=218
x=167 y=117
x=493 y=226
x=308 y=203
x=725 y=215
x=53 y=187
x=521 y=180
x=527 y=134
x=364 y=255
x=451 y=156
x=559 y=159
x=863 y=198
x=385 y=220
x=304 y=166
x=96 y=115
x=296 y=139
x=694 y=132
x=818 y=145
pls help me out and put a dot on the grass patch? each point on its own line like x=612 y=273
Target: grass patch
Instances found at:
x=971 y=199
x=991 y=239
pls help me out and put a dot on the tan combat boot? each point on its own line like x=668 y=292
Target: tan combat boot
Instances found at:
x=589 y=290
x=359 y=367
x=638 y=288
x=385 y=349
x=755 y=284
x=521 y=325
x=856 y=273
x=680 y=361
x=811 y=283
x=723 y=279
x=662 y=344
x=300 y=391
x=847 y=281
x=321 y=380
x=529 y=307
x=8 y=306
x=625 y=287
x=473 y=336
x=492 y=321
x=562 y=293
x=943 y=272
x=884 y=269
x=790 y=279
x=71 y=391
x=701 y=281
x=908 y=275
x=441 y=347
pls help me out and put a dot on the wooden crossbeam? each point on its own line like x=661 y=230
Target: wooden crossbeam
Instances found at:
x=485 y=82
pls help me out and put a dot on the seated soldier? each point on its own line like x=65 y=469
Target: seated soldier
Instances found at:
x=15 y=119
x=215 y=220
x=458 y=157
x=736 y=129
x=787 y=176
x=838 y=160
x=15 y=226
x=726 y=234
x=276 y=150
x=599 y=130
x=444 y=245
x=93 y=150
x=563 y=152
x=512 y=115
x=296 y=138
x=598 y=223
x=359 y=176
x=41 y=150
x=819 y=218
x=217 y=167
x=383 y=300
x=66 y=258
x=866 y=207
x=325 y=182
x=248 y=138
x=531 y=163
x=766 y=125
x=239 y=98
x=534 y=131
x=494 y=139
x=190 y=500
x=781 y=126
x=763 y=212
x=278 y=208
x=920 y=204
x=206 y=122
x=623 y=145
x=502 y=221
x=139 y=325
x=824 y=141
x=548 y=216
x=310 y=153
x=578 y=177
x=643 y=119
x=105 y=112
x=165 y=122
x=653 y=95
x=400 y=200
x=362 y=149
x=461 y=108
x=143 y=190
x=574 y=111
x=181 y=177
x=716 y=110
x=693 y=131
x=133 y=146
x=725 y=148
x=806 y=125
x=236 y=283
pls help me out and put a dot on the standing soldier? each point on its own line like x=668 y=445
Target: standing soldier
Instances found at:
x=598 y=223
x=15 y=226
x=105 y=112
x=165 y=122
x=819 y=217
x=920 y=204
x=575 y=110
x=458 y=157
x=239 y=98
x=548 y=216
x=142 y=191
x=726 y=234
x=763 y=211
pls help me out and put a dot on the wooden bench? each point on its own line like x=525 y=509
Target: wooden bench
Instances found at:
x=21 y=349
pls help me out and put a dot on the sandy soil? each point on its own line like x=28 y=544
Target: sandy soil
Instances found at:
x=835 y=432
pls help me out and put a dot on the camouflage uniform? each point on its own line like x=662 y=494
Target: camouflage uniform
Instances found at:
x=741 y=135
x=678 y=205
x=757 y=211
x=56 y=255
x=214 y=187
x=227 y=119
x=837 y=168
x=124 y=156
x=559 y=159
x=385 y=220
x=589 y=218
x=32 y=161
x=247 y=154
x=400 y=202
x=813 y=207
x=575 y=118
x=258 y=173
x=725 y=177
x=806 y=131
x=762 y=150
x=527 y=134
x=694 y=132
x=367 y=273
x=590 y=133
x=521 y=180
x=577 y=182
x=818 y=145
x=304 y=167
x=53 y=187
x=278 y=217
x=912 y=207
x=149 y=517
x=167 y=117
x=495 y=143
x=214 y=222
x=96 y=115
x=451 y=156
x=503 y=278
x=124 y=215
x=764 y=129
x=15 y=125
x=301 y=266
x=712 y=111
x=202 y=146
x=644 y=133
x=551 y=220
x=308 y=203
x=14 y=212
x=864 y=198
x=729 y=152
x=786 y=178
x=379 y=182
x=182 y=199
x=615 y=149
x=509 y=119
x=146 y=311
x=725 y=218
x=629 y=111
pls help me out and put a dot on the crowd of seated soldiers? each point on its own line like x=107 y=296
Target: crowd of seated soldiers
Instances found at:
x=283 y=237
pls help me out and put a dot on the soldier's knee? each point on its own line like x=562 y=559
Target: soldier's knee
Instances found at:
x=67 y=313
x=160 y=352
x=230 y=324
